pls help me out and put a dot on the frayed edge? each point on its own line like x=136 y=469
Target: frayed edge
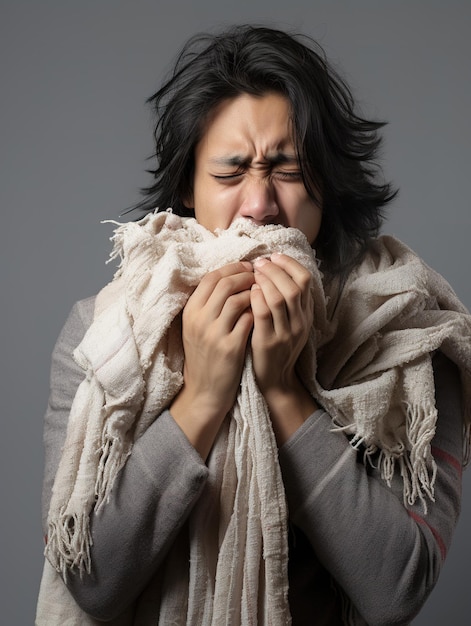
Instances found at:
x=116 y=239
x=113 y=457
x=417 y=467
x=420 y=464
x=69 y=538
x=122 y=228
x=418 y=480
x=68 y=544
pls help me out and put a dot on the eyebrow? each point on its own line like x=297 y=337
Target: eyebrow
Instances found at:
x=238 y=160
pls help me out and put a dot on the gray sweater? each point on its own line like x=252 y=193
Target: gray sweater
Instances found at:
x=350 y=534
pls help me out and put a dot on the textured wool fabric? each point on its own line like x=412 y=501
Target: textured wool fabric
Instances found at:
x=132 y=354
x=373 y=375
x=375 y=371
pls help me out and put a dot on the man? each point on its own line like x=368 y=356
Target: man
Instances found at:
x=287 y=387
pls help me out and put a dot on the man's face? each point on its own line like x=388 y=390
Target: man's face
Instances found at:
x=246 y=166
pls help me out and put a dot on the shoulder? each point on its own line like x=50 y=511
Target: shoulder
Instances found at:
x=83 y=310
x=81 y=314
x=77 y=323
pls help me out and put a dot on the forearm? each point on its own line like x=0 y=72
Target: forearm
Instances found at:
x=132 y=533
x=385 y=558
x=289 y=409
x=200 y=421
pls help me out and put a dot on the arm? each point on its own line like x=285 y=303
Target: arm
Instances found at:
x=154 y=492
x=151 y=500
x=385 y=557
x=65 y=378
x=165 y=474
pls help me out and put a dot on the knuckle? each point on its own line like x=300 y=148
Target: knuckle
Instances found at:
x=278 y=301
x=264 y=314
x=233 y=304
x=187 y=314
x=228 y=282
x=283 y=338
x=208 y=278
x=293 y=293
x=306 y=280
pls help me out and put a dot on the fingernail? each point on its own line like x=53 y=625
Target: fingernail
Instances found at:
x=260 y=261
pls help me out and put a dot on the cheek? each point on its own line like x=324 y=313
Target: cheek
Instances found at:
x=310 y=223
x=310 y=217
x=215 y=207
x=301 y=212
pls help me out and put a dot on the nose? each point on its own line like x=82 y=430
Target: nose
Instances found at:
x=259 y=201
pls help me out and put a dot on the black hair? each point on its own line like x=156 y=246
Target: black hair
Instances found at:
x=336 y=147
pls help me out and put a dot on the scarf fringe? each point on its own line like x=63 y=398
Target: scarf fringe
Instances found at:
x=69 y=543
x=69 y=537
x=113 y=456
x=421 y=421
x=416 y=464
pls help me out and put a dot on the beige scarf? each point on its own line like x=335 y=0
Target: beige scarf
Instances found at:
x=367 y=361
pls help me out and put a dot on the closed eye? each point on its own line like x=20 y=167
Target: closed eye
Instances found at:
x=227 y=176
x=280 y=175
x=291 y=176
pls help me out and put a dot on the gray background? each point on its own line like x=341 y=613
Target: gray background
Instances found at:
x=75 y=134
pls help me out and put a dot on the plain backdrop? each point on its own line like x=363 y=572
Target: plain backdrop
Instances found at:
x=75 y=134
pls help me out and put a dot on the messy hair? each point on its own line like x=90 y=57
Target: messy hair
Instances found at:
x=336 y=147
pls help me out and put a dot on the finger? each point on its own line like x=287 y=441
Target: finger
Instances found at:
x=230 y=296
x=220 y=284
x=262 y=313
x=291 y=308
x=292 y=267
x=233 y=309
x=210 y=280
x=271 y=312
x=291 y=278
x=242 y=327
x=281 y=292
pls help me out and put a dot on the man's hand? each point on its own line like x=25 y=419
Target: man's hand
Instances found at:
x=216 y=325
x=283 y=309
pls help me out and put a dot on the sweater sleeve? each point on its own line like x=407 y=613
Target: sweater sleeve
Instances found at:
x=386 y=557
x=65 y=378
x=151 y=499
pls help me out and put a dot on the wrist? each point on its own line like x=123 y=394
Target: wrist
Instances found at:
x=289 y=406
x=198 y=418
